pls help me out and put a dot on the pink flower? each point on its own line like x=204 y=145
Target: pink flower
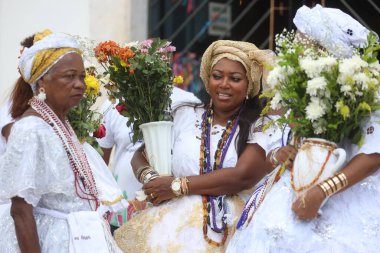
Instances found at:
x=161 y=50
x=144 y=50
x=170 y=49
x=101 y=132
x=120 y=108
x=164 y=58
x=147 y=43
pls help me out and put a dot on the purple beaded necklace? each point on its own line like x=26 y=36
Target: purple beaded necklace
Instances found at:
x=214 y=202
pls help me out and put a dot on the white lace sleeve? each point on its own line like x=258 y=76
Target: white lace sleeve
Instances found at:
x=268 y=139
x=34 y=163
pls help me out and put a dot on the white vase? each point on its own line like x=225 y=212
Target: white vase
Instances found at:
x=316 y=160
x=158 y=144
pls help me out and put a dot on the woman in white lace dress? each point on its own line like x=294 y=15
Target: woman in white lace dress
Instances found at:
x=119 y=136
x=45 y=171
x=215 y=158
x=350 y=219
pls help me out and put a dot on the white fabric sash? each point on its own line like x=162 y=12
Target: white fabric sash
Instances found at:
x=89 y=232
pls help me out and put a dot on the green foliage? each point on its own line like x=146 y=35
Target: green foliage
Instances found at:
x=142 y=82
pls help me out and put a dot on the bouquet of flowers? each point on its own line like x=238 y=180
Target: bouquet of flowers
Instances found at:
x=141 y=79
x=326 y=97
x=84 y=120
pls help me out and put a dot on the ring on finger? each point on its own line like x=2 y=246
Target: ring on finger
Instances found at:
x=151 y=195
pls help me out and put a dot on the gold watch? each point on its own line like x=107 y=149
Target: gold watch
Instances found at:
x=176 y=186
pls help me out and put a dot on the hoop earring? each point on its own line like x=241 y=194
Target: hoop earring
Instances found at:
x=41 y=94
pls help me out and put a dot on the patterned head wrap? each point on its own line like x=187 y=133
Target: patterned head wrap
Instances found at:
x=333 y=29
x=253 y=59
x=48 y=48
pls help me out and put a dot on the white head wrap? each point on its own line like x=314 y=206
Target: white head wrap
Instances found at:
x=52 y=41
x=331 y=28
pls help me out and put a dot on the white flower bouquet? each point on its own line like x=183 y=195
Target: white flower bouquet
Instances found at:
x=327 y=97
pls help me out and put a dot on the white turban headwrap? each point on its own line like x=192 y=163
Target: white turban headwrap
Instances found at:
x=47 y=50
x=252 y=58
x=332 y=29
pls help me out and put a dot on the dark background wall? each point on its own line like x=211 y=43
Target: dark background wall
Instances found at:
x=185 y=22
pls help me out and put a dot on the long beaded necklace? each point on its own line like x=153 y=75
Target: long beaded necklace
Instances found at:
x=77 y=158
x=210 y=202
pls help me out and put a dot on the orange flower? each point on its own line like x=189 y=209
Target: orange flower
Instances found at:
x=106 y=49
x=131 y=71
x=125 y=53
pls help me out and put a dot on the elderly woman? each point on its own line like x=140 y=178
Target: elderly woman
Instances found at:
x=45 y=170
x=216 y=156
x=350 y=219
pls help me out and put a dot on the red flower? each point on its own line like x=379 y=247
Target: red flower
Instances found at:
x=101 y=132
x=120 y=108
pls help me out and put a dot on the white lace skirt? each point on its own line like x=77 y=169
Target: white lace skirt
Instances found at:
x=350 y=223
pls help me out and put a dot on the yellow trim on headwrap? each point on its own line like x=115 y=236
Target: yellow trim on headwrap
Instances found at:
x=40 y=35
x=45 y=59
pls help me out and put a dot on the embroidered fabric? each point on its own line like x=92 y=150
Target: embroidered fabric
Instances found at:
x=269 y=138
x=350 y=221
x=176 y=226
x=329 y=28
x=36 y=168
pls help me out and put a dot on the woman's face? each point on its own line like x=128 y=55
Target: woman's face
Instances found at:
x=228 y=85
x=64 y=83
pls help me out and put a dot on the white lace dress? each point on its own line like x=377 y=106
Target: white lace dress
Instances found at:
x=118 y=135
x=35 y=167
x=176 y=226
x=350 y=220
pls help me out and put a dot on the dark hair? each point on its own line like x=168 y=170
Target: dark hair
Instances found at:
x=249 y=115
x=251 y=112
x=22 y=92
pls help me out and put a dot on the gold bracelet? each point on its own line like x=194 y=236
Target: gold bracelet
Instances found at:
x=337 y=182
x=184 y=185
x=334 y=184
x=323 y=187
x=343 y=178
x=331 y=183
x=328 y=188
x=272 y=158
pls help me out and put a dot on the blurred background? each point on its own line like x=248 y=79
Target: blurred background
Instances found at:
x=190 y=24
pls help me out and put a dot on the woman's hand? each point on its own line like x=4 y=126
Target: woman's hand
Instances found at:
x=306 y=207
x=286 y=155
x=159 y=190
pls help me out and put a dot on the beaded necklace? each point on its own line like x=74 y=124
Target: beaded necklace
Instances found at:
x=258 y=195
x=77 y=158
x=210 y=203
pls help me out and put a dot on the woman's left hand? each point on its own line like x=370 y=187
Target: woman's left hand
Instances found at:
x=306 y=207
x=159 y=190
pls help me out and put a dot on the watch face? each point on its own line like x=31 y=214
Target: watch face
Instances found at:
x=176 y=186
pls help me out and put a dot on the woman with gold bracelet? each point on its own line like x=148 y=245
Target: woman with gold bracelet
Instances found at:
x=339 y=214
x=218 y=153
